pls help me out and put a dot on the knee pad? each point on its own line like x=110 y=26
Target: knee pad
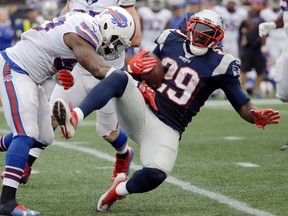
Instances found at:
x=145 y=180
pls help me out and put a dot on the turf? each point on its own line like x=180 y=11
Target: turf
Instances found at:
x=70 y=176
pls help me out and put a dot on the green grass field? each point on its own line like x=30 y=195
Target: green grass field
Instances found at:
x=208 y=179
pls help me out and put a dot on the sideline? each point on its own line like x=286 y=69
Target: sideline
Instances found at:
x=240 y=206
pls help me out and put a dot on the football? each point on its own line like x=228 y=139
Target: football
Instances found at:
x=155 y=78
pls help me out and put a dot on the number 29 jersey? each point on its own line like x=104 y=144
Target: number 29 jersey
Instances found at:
x=190 y=80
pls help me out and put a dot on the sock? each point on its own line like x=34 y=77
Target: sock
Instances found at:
x=80 y=115
x=145 y=180
x=8 y=193
x=8 y=200
x=16 y=158
x=113 y=85
x=120 y=143
x=121 y=189
x=5 y=141
x=35 y=152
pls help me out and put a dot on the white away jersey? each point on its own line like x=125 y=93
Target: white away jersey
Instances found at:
x=98 y=5
x=153 y=25
x=40 y=46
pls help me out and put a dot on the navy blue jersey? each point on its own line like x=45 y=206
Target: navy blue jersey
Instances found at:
x=190 y=80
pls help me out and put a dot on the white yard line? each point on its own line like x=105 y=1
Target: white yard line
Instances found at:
x=240 y=206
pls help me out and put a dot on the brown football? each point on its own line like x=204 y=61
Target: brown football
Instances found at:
x=155 y=78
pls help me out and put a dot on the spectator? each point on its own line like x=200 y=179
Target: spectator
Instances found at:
x=32 y=19
x=193 y=6
x=6 y=29
x=250 y=45
x=233 y=15
x=179 y=14
x=154 y=19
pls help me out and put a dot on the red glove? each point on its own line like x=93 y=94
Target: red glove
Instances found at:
x=140 y=64
x=148 y=94
x=65 y=78
x=265 y=116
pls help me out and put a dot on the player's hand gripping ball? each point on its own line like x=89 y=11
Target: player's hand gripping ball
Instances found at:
x=146 y=66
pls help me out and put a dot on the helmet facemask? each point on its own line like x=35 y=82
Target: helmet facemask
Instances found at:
x=117 y=29
x=203 y=34
x=112 y=47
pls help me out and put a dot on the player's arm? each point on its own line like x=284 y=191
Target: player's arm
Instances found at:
x=246 y=109
x=259 y=117
x=66 y=8
x=85 y=54
x=136 y=41
x=266 y=27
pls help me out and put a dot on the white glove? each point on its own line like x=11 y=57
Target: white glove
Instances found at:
x=266 y=27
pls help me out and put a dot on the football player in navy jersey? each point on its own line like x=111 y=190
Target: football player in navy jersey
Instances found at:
x=194 y=69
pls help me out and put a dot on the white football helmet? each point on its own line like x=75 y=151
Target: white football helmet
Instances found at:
x=117 y=28
x=50 y=9
x=205 y=30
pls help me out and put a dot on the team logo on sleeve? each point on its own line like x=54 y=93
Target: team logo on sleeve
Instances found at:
x=236 y=70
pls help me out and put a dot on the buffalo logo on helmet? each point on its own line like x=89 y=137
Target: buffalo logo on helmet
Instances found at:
x=117 y=18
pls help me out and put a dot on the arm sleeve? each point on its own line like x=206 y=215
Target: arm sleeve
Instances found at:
x=234 y=93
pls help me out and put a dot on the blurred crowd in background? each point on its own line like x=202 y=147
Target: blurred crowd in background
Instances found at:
x=241 y=17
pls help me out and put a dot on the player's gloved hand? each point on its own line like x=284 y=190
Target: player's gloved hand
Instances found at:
x=148 y=94
x=266 y=27
x=265 y=116
x=140 y=64
x=65 y=78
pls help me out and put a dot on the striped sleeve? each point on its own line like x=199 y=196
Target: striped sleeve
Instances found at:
x=88 y=34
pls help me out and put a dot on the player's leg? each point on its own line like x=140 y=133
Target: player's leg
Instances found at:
x=107 y=123
x=107 y=126
x=159 y=142
x=38 y=147
x=260 y=68
x=5 y=141
x=281 y=80
x=159 y=147
x=20 y=109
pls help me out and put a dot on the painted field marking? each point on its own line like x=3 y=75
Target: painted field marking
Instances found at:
x=240 y=206
x=247 y=164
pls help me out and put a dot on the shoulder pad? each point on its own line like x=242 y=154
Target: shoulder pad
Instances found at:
x=227 y=62
x=164 y=35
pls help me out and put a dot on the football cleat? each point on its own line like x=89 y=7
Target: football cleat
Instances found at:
x=22 y=211
x=123 y=165
x=66 y=118
x=107 y=199
x=26 y=174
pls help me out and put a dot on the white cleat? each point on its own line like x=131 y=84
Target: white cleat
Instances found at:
x=66 y=118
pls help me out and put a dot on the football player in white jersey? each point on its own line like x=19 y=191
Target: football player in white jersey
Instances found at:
x=107 y=124
x=26 y=65
x=194 y=69
x=233 y=15
x=154 y=18
x=274 y=43
x=281 y=62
